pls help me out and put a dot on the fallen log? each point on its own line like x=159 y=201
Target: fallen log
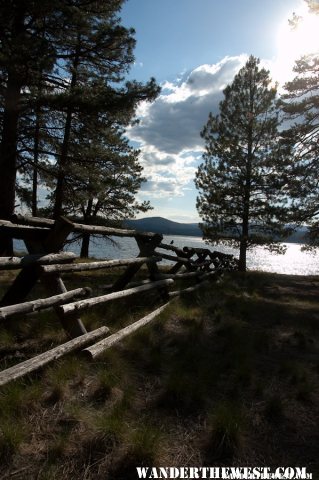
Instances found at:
x=90 y=302
x=12 y=263
x=42 y=303
x=100 y=347
x=79 y=267
x=43 y=359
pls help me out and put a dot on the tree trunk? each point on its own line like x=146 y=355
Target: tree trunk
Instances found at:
x=34 y=205
x=59 y=190
x=8 y=147
x=242 y=266
x=85 y=245
x=8 y=154
x=86 y=236
x=242 y=255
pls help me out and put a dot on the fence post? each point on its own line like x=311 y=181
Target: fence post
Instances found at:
x=27 y=278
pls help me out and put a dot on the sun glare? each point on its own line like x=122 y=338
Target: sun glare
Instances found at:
x=293 y=42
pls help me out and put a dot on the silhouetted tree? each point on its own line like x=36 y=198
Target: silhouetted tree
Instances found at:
x=300 y=105
x=62 y=67
x=240 y=191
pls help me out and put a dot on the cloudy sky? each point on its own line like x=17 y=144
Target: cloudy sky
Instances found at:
x=194 y=48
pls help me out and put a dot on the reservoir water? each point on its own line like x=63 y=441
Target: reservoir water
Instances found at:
x=294 y=261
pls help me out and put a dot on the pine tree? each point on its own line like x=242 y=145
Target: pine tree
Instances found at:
x=106 y=178
x=62 y=64
x=300 y=105
x=241 y=195
x=96 y=52
x=24 y=51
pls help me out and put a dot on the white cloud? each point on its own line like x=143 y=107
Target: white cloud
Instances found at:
x=173 y=122
x=169 y=129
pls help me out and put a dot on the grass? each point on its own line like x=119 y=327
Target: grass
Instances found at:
x=226 y=376
x=225 y=436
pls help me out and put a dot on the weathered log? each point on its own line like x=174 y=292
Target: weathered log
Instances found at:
x=172 y=248
x=43 y=359
x=43 y=303
x=192 y=250
x=109 y=231
x=204 y=281
x=109 y=287
x=28 y=276
x=173 y=259
x=79 y=267
x=186 y=261
x=90 y=302
x=57 y=235
x=146 y=247
x=22 y=232
x=82 y=228
x=12 y=263
x=100 y=347
x=176 y=293
x=162 y=276
x=34 y=221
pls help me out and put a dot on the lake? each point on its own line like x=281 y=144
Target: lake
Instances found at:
x=293 y=262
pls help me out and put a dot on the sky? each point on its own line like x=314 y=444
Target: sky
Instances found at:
x=194 y=48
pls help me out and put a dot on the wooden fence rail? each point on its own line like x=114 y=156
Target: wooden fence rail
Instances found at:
x=28 y=366
x=47 y=263
x=15 y=263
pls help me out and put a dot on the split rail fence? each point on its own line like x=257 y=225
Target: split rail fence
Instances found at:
x=46 y=262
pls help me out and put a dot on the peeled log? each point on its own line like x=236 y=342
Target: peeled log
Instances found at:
x=82 y=228
x=43 y=359
x=42 y=303
x=203 y=281
x=12 y=263
x=79 y=267
x=23 y=232
x=90 y=302
x=100 y=347
x=178 y=275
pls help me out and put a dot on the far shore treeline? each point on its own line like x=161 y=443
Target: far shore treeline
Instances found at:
x=65 y=106
x=168 y=227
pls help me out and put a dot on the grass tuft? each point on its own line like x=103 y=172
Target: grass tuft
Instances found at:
x=226 y=432
x=12 y=435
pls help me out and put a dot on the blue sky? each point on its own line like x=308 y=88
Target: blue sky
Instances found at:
x=194 y=48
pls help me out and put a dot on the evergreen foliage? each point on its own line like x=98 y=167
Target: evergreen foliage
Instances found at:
x=241 y=190
x=300 y=105
x=65 y=105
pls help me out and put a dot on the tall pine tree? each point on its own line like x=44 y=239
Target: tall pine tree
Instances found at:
x=241 y=199
x=300 y=105
x=25 y=50
x=62 y=68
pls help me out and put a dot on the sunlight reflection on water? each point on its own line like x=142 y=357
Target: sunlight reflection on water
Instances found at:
x=294 y=261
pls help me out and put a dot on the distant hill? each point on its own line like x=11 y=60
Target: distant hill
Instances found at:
x=164 y=226
x=168 y=227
